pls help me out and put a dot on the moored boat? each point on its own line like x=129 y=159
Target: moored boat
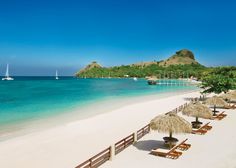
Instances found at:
x=152 y=80
x=7 y=77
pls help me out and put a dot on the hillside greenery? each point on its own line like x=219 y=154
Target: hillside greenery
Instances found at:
x=214 y=80
x=172 y=71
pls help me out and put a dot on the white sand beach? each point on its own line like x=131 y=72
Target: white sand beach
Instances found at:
x=214 y=149
x=70 y=144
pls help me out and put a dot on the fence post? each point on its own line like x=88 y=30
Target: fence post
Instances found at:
x=112 y=152
x=149 y=128
x=135 y=137
x=90 y=162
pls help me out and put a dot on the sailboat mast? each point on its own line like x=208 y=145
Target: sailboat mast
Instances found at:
x=56 y=75
x=7 y=77
x=7 y=71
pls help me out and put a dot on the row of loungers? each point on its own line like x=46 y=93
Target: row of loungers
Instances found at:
x=183 y=146
x=203 y=130
x=172 y=153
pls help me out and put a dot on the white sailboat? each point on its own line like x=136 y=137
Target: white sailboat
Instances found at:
x=7 y=77
x=56 y=75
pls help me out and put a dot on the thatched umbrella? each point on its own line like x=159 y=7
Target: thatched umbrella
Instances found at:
x=198 y=110
x=229 y=96
x=232 y=92
x=170 y=123
x=216 y=101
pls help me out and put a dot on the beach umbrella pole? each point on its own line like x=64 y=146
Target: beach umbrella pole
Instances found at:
x=214 y=111
x=170 y=142
x=197 y=120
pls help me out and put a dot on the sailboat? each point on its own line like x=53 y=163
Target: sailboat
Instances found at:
x=7 y=77
x=56 y=75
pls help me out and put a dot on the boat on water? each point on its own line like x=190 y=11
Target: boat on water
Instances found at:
x=151 y=80
x=56 y=75
x=135 y=79
x=7 y=77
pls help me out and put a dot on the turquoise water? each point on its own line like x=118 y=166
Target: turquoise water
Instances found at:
x=28 y=98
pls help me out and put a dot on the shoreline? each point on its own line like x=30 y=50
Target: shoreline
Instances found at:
x=102 y=106
x=69 y=144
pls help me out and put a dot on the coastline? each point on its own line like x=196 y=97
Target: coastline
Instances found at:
x=71 y=143
x=102 y=106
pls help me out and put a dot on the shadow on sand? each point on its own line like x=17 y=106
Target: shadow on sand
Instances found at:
x=148 y=145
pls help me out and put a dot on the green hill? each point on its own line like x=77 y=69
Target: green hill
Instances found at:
x=182 y=57
x=181 y=64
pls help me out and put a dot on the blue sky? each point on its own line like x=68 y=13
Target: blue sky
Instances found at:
x=38 y=37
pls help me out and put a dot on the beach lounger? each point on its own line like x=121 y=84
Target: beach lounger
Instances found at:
x=199 y=131
x=202 y=130
x=220 y=116
x=233 y=106
x=184 y=146
x=207 y=127
x=172 y=153
x=230 y=106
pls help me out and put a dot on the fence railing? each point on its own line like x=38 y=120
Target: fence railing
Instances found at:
x=143 y=131
x=96 y=160
x=106 y=154
x=124 y=143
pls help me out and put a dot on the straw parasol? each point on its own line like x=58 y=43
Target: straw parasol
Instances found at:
x=198 y=110
x=216 y=101
x=229 y=96
x=232 y=92
x=170 y=123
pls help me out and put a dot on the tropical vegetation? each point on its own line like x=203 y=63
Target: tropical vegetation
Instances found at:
x=220 y=79
x=172 y=71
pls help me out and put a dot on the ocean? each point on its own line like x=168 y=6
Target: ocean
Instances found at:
x=32 y=98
